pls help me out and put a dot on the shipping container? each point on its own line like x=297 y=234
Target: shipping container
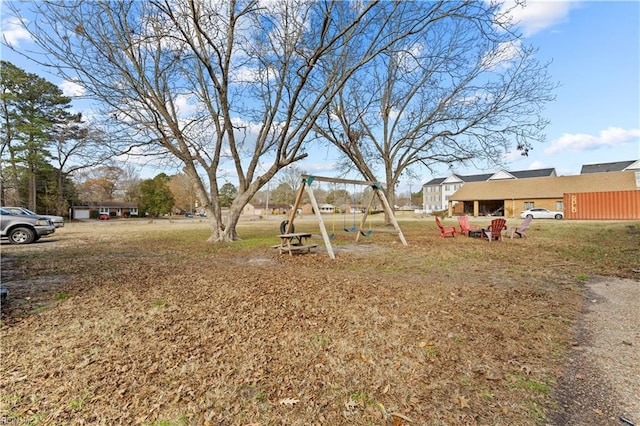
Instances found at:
x=614 y=205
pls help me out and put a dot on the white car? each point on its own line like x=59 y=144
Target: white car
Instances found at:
x=58 y=221
x=539 y=213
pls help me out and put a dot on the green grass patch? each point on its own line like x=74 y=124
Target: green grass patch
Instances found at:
x=520 y=381
x=61 y=296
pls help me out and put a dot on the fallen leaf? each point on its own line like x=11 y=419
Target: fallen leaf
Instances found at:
x=351 y=404
x=401 y=416
x=464 y=402
x=289 y=401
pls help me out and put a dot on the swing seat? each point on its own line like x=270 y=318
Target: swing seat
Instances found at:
x=366 y=233
x=352 y=229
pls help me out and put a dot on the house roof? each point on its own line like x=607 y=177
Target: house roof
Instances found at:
x=502 y=174
x=617 y=166
x=545 y=187
x=527 y=174
x=476 y=178
x=436 y=181
x=106 y=204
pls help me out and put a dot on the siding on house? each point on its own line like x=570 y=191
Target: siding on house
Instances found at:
x=114 y=209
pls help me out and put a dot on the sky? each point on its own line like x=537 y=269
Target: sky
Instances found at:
x=594 y=49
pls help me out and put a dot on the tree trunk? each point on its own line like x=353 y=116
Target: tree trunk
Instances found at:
x=15 y=199
x=32 y=189
x=61 y=205
x=391 y=198
x=224 y=230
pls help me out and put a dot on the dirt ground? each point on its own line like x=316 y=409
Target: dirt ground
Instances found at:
x=115 y=324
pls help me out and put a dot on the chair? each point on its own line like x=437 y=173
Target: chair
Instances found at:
x=520 y=230
x=445 y=230
x=465 y=227
x=494 y=231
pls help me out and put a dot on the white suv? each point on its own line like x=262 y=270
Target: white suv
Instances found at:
x=58 y=221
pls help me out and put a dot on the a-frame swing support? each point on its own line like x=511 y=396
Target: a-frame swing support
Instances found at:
x=307 y=180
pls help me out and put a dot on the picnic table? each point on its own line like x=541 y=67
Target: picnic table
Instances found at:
x=293 y=242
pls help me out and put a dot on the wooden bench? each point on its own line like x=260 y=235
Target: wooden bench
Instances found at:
x=304 y=248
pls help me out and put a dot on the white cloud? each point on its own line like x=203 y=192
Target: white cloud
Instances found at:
x=72 y=89
x=536 y=16
x=613 y=136
x=501 y=57
x=537 y=165
x=186 y=106
x=13 y=32
x=512 y=156
x=319 y=168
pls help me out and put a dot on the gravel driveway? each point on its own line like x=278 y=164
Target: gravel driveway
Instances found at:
x=601 y=385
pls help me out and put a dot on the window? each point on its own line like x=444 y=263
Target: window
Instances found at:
x=528 y=205
x=560 y=206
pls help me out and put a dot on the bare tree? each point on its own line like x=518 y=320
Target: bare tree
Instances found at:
x=237 y=82
x=464 y=88
x=289 y=180
x=76 y=146
x=98 y=184
x=183 y=192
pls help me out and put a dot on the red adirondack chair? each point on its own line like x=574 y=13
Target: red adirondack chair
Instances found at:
x=465 y=227
x=520 y=231
x=494 y=231
x=445 y=230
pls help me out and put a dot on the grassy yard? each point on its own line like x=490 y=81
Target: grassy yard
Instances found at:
x=146 y=323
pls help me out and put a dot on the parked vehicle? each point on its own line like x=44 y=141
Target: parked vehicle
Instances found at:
x=58 y=221
x=24 y=229
x=103 y=216
x=539 y=213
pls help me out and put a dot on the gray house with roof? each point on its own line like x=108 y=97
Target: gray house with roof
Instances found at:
x=436 y=192
x=618 y=166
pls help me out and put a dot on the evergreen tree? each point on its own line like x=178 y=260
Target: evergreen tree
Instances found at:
x=227 y=194
x=31 y=107
x=155 y=195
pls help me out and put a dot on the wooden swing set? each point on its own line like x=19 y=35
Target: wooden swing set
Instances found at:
x=377 y=191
